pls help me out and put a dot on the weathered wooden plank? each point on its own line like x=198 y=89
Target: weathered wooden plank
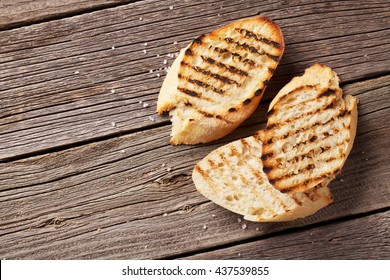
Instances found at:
x=56 y=77
x=108 y=199
x=363 y=238
x=20 y=12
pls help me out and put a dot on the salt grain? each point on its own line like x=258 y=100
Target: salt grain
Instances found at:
x=171 y=7
x=144 y=51
x=175 y=43
x=158 y=75
x=176 y=54
x=151 y=71
x=140 y=102
x=165 y=214
x=204 y=227
x=145 y=44
x=113 y=91
x=239 y=254
x=140 y=18
x=169 y=169
x=146 y=246
x=244 y=226
x=113 y=47
x=363 y=152
x=145 y=105
x=113 y=124
x=76 y=72
x=165 y=61
x=366 y=158
x=163 y=164
x=157 y=55
x=213 y=215
x=123 y=151
x=239 y=220
x=257 y=229
x=341 y=180
x=151 y=118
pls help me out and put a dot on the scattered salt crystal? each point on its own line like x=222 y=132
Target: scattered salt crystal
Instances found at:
x=98 y=229
x=76 y=72
x=157 y=55
x=113 y=124
x=176 y=54
x=219 y=15
x=151 y=71
x=165 y=214
x=140 y=102
x=244 y=226
x=140 y=18
x=158 y=75
x=175 y=43
x=213 y=215
x=165 y=61
x=171 y=7
x=113 y=91
x=163 y=164
x=145 y=44
x=239 y=254
x=113 y=47
x=169 y=169
x=204 y=227
x=363 y=152
x=144 y=51
x=257 y=229
x=123 y=151
x=341 y=180
x=365 y=55
x=366 y=158
x=146 y=246
x=151 y=118
x=145 y=105
x=239 y=220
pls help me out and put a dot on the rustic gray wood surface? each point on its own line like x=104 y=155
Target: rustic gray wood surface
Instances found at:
x=85 y=173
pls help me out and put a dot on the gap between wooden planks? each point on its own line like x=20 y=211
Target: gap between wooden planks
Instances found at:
x=108 y=199
x=47 y=106
x=362 y=238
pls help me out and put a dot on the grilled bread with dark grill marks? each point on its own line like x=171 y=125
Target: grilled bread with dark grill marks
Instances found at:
x=310 y=131
x=218 y=80
x=232 y=176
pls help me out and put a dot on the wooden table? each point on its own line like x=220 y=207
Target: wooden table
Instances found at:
x=86 y=170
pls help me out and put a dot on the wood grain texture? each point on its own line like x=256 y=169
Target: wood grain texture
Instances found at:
x=108 y=199
x=362 y=238
x=15 y=13
x=56 y=77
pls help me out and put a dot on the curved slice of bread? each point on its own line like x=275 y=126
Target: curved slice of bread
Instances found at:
x=310 y=131
x=232 y=176
x=218 y=80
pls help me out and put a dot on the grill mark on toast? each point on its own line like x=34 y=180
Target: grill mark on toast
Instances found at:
x=230 y=68
x=201 y=84
x=296 y=200
x=324 y=107
x=201 y=171
x=237 y=55
x=249 y=34
x=252 y=49
x=208 y=73
x=310 y=126
x=294 y=91
x=194 y=94
x=208 y=115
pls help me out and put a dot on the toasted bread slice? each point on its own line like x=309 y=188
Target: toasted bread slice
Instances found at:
x=218 y=80
x=232 y=176
x=310 y=131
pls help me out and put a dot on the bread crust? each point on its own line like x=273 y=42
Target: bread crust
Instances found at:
x=216 y=122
